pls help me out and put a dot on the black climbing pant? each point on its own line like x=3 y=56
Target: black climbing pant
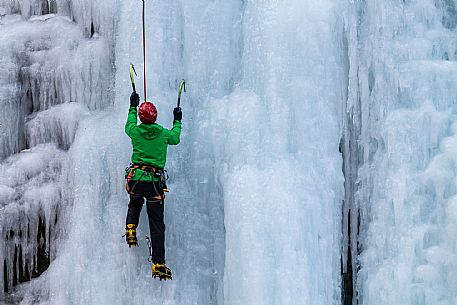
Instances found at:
x=154 y=208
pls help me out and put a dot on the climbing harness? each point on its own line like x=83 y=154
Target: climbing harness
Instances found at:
x=161 y=174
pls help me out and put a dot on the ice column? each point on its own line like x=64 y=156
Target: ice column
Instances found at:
x=275 y=139
x=405 y=104
x=58 y=57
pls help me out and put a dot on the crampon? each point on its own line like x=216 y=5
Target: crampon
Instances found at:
x=161 y=271
x=130 y=235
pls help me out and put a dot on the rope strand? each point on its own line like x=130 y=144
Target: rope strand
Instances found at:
x=144 y=52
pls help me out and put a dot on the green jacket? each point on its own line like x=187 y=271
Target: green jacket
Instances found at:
x=150 y=142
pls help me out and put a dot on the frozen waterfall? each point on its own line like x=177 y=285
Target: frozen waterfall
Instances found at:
x=405 y=125
x=317 y=162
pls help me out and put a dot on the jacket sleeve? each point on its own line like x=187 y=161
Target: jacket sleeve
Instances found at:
x=174 y=133
x=131 y=124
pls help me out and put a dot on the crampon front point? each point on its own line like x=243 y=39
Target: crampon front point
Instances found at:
x=161 y=271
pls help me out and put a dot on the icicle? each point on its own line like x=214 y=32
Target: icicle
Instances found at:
x=56 y=125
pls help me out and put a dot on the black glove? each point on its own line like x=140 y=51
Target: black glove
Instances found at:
x=134 y=99
x=177 y=114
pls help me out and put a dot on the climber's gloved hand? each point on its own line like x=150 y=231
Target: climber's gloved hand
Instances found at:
x=177 y=114
x=134 y=99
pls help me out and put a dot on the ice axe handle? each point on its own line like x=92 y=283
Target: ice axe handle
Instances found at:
x=181 y=87
x=132 y=80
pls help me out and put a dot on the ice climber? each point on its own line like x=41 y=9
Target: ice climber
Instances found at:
x=146 y=177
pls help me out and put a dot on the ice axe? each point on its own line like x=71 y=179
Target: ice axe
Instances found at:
x=181 y=87
x=132 y=80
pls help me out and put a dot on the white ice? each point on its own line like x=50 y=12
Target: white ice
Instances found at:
x=407 y=79
x=56 y=65
x=256 y=181
x=254 y=213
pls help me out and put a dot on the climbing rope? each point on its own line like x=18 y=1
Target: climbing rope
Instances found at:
x=144 y=52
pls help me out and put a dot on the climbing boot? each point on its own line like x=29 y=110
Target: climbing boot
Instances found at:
x=161 y=271
x=130 y=235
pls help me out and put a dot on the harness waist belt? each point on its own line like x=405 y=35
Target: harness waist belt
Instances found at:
x=146 y=167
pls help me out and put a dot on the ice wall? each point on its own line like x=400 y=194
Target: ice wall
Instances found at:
x=58 y=60
x=94 y=265
x=254 y=216
x=254 y=212
x=402 y=94
x=263 y=142
x=279 y=160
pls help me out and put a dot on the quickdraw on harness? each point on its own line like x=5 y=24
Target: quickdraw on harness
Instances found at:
x=148 y=241
x=162 y=176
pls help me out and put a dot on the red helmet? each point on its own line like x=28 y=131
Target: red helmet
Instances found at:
x=147 y=113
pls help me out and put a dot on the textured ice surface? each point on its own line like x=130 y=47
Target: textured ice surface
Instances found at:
x=256 y=182
x=57 y=67
x=278 y=159
x=407 y=83
x=254 y=213
x=55 y=125
x=47 y=62
x=31 y=193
